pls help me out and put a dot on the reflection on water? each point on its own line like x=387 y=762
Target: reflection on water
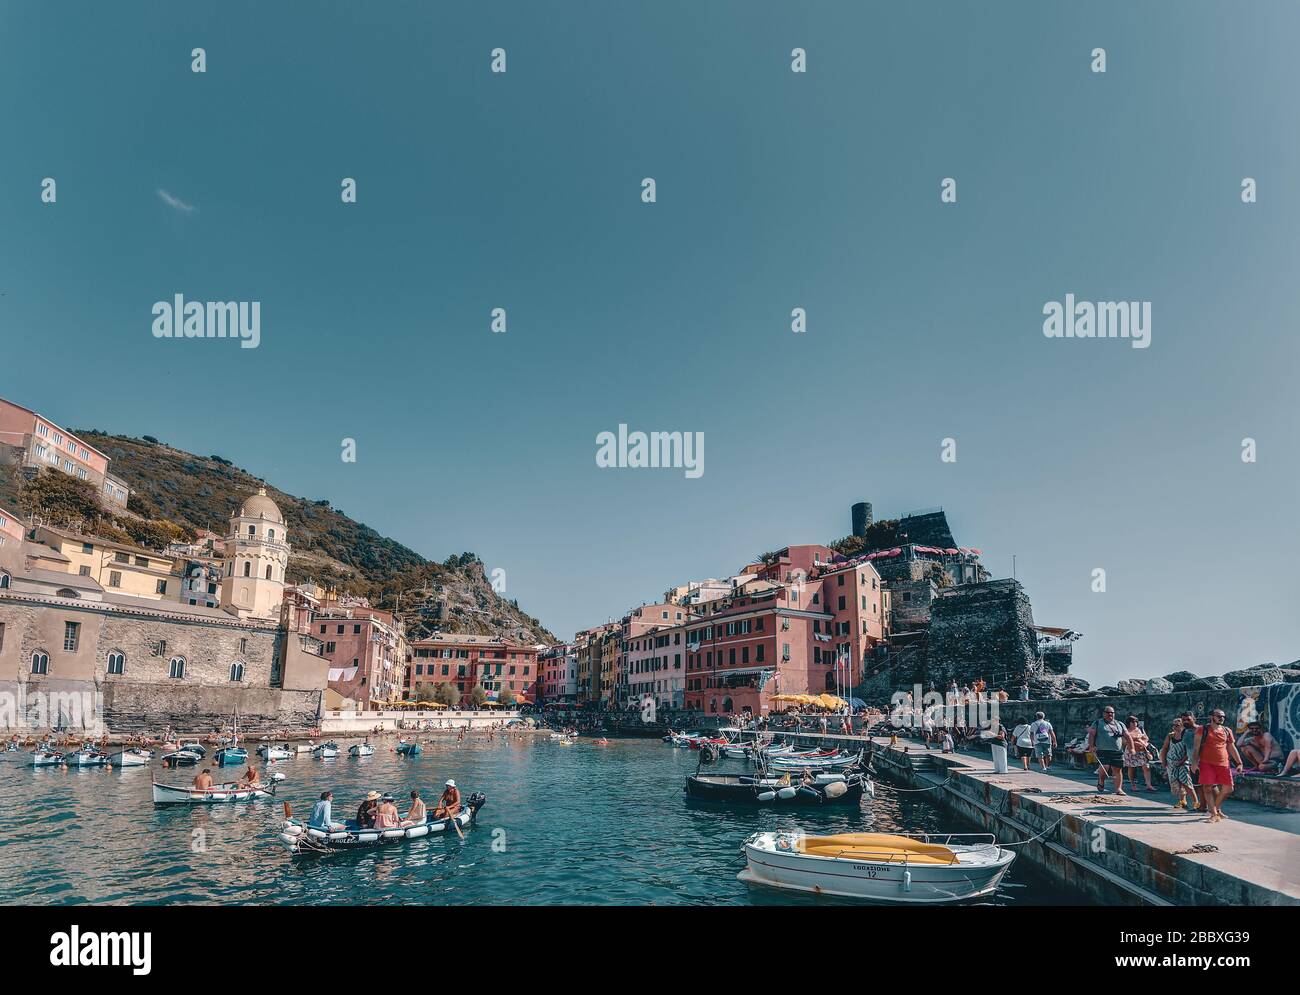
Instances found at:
x=562 y=825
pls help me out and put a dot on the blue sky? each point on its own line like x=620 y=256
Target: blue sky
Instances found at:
x=775 y=191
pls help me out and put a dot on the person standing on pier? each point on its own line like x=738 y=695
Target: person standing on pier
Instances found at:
x=1174 y=758
x=1106 y=741
x=1044 y=739
x=1210 y=758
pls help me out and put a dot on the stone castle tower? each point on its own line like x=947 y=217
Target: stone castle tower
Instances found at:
x=256 y=557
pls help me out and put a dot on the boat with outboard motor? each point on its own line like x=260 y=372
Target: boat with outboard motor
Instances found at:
x=299 y=838
x=325 y=751
x=174 y=794
x=882 y=867
x=744 y=789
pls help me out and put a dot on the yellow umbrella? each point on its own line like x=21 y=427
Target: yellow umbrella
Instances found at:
x=830 y=701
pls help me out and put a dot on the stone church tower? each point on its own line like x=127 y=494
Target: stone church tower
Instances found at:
x=256 y=557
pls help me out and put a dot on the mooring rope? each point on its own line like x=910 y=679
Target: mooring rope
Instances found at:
x=1031 y=839
x=930 y=788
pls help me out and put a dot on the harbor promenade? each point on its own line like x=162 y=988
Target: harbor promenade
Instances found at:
x=1134 y=848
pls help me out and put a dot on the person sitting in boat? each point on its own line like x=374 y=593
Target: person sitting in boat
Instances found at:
x=204 y=780
x=369 y=811
x=449 y=803
x=322 y=815
x=251 y=778
x=386 y=816
x=417 y=814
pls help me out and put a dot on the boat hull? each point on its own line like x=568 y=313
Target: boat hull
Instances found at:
x=753 y=791
x=168 y=794
x=130 y=758
x=300 y=840
x=276 y=753
x=231 y=757
x=869 y=880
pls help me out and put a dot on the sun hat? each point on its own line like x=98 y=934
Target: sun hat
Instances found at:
x=372 y=796
x=451 y=783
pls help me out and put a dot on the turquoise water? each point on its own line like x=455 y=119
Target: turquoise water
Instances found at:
x=578 y=824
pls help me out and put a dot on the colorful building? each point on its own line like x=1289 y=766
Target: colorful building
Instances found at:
x=465 y=659
x=31 y=441
x=366 y=651
x=115 y=566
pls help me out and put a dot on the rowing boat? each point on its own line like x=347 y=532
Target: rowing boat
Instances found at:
x=299 y=838
x=87 y=756
x=882 y=867
x=361 y=750
x=47 y=758
x=326 y=751
x=231 y=756
x=131 y=757
x=171 y=794
x=276 y=753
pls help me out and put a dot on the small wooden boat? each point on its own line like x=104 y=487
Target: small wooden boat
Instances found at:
x=171 y=794
x=47 y=758
x=793 y=764
x=132 y=756
x=87 y=756
x=197 y=748
x=276 y=752
x=231 y=756
x=361 y=750
x=411 y=749
x=882 y=867
x=299 y=838
x=821 y=789
x=182 y=758
x=326 y=751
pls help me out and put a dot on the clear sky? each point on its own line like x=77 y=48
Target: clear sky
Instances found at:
x=775 y=190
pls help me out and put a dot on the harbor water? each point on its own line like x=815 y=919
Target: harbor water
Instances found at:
x=580 y=824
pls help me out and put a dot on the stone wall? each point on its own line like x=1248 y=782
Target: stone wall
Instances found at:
x=130 y=707
x=1070 y=716
x=982 y=630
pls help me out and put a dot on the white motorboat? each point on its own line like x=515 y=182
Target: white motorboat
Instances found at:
x=361 y=750
x=682 y=740
x=880 y=867
x=326 y=751
x=132 y=756
x=268 y=752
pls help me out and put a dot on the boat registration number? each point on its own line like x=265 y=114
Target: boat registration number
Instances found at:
x=869 y=870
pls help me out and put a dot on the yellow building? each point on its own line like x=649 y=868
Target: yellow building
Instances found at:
x=115 y=566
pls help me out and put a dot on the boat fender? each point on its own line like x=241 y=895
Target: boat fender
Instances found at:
x=766 y=796
x=394 y=834
x=836 y=789
x=785 y=794
x=291 y=829
x=338 y=836
x=907 y=880
x=811 y=793
x=415 y=832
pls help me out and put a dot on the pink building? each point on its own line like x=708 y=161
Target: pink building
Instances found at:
x=365 y=648
x=651 y=658
x=32 y=441
x=466 y=659
x=804 y=624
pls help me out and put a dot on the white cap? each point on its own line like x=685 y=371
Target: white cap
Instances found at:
x=451 y=784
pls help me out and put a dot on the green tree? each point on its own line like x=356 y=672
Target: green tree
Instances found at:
x=477 y=696
x=60 y=499
x=446 y=693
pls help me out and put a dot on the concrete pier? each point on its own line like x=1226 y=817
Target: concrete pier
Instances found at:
x=1126 y=849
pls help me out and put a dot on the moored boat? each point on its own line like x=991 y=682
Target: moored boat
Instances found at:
x=361 y=750
x=408 y=749
x=820 y=789
x=132 y=756
x=326 y=751
x=182 y=758
x=172 y=794
x=268 y=752
x=231 y=756
x=881 y=867
x=87 y=756
x=299 y=838
x=47 y=758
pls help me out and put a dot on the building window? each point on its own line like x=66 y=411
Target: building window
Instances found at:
x=142 y=561
x=243 y=646
x=236 y=672
x=176 y=669
x=248 y=569
x=87 y=547
x=329 y=649
x=252 y=530
x=4 y=580
x=40 y=663
x=116 y=662
x=71 y=632
x=268 y=571
x=270 y=533
x=160 y=587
